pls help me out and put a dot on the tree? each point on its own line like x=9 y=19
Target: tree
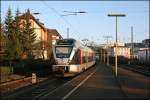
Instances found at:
x=2 y=37
x=13 y=33
x=1 y=30
x=28 y=35
x=8 y=22
x=17 y=32
x=9 y=35
x=41 y=46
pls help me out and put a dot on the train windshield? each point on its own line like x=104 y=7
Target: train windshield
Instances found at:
x=63 y=51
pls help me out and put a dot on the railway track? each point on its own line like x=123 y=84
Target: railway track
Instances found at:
x=144 y=70
x=44 y=88
x=36 y=91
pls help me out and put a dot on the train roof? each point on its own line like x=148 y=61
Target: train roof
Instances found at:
x=71 y=41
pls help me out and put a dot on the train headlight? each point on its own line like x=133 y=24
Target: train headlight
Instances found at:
x=69 y=61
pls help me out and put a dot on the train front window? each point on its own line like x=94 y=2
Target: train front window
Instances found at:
x=63 y=52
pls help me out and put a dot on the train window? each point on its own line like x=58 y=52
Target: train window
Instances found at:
x=63 y=51
x=76 y=58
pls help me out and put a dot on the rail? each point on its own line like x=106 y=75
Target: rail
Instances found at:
x=144 y=70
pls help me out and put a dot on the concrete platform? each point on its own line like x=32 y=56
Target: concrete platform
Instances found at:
x=103 y=84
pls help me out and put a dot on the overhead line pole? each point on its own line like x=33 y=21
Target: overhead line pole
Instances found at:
x=107 y=47
x=67 y=32
x=132 y=43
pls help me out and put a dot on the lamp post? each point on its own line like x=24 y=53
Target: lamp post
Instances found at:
x=116 y=15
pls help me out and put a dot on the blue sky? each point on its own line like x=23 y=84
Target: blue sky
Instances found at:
x=93 y=25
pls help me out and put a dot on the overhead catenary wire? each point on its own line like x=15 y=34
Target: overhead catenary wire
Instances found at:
x=66 y=21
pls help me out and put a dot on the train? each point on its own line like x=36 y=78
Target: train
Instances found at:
x=71 y=57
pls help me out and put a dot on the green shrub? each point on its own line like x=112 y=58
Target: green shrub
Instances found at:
x=5 y=70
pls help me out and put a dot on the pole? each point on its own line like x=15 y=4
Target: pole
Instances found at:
x=131 y=42
x=107 y=53
x=107 y=57
x=116 y=49
x=67 y=32
x=107 y=47
x=101 y=55
x=104 y=55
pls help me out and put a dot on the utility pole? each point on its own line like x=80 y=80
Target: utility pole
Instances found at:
x=101 y=54
x=107 y=47
x=67 y=32
x=132 y=45
x=104 y=55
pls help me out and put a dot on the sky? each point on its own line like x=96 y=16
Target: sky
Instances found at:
x=93 y=25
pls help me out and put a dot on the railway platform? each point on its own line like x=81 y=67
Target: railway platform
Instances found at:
x=102 y=83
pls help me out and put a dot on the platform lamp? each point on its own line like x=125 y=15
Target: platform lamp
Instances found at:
x=116 y=15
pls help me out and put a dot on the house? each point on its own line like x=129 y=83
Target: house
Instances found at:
x=41 y=35
x=53 y=35
x=44 y=37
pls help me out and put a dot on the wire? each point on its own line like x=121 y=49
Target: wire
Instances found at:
x=61 y=17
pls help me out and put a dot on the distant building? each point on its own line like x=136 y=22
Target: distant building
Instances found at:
x=121 y=48
x=121 y=51
x=146 y=42
x=135 y=45
x=144 y=54
x=138 y=48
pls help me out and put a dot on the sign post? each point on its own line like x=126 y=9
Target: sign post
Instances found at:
x=34 y=78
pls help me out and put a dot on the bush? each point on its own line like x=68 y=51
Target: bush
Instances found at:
x=6 y=70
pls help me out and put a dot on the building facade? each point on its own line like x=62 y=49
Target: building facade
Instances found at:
x=121 y=51
x=144 y=54
x=53 y=35
x=41 y=35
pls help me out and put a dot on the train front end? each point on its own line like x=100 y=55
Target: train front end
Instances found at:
x=63 y=52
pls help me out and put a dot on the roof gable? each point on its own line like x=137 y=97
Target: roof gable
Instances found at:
x=30 y=16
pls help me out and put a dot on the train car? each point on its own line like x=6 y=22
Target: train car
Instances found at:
x=71 y=58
